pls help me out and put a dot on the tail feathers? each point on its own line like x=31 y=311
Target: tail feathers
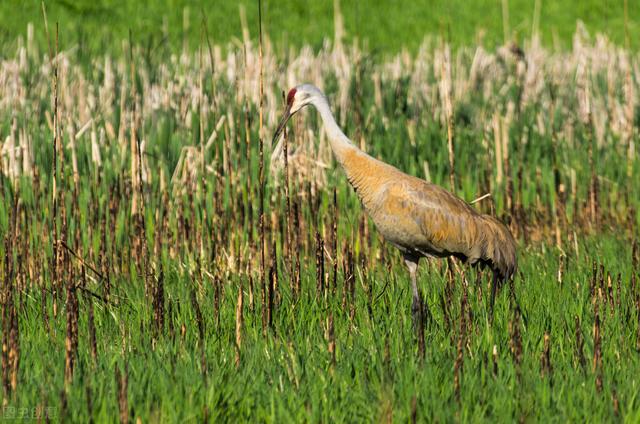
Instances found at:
x=499 y=250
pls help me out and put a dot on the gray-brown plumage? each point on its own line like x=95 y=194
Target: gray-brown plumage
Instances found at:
x=419 y=218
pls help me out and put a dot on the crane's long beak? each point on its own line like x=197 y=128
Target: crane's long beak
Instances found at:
x=281 y=125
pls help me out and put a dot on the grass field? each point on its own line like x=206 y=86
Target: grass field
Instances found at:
x=95 y=26
x=133 y=284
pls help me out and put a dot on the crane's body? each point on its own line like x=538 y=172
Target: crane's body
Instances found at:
x=419 y=218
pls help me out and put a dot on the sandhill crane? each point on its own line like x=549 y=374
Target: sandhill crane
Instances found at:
x=419 y=218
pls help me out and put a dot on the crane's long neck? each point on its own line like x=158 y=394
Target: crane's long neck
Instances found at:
x=340 y=143
x=363 y=172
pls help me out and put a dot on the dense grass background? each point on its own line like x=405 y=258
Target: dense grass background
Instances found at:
x=201 y=230
x=288 y=376
x=101 y=25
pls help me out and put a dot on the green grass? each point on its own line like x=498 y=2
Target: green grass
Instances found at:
x=288 y=376
x=208 y=249
x=99 y=25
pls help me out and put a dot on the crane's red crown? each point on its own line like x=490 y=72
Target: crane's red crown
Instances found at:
x=290 y=96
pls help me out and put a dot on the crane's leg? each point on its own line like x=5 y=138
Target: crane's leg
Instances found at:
x=418 y=323
x=416 y=307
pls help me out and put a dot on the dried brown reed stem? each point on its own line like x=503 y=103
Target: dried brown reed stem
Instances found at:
x=414 y=409
x=459 y=363
x=89 y=398
x=609 y=300
x=238 y=344
x=10 y=328
x=469 y=312
x=201 y=333
x=103 y=257
x=298 y=247
x=172 y=328
x=57 y=146
x=217 y=297
x=320 y=286
x=349 y=287
x=545 y=358
x=446 y=300
x=13 y=273
x=593 y=281
x=91 y=328
x=445 y=311
x=261 y=158
x=365 y=284
x=602 y=297
x=64 y=403
x=273 y=279
x=75 y=207
x=618 y=291
x=109 y=254
x=199 y=320
x=251 y=290
x=386 y=358
x=334 y=242
x=597 y=346
x=494 y=357
x=635 y=255
x=633 y=290
x=331 y=339
x=64 y=264
x=122 y=381
x=141 y=253
x=133 y=141
x=43 y=307
x=638 y=326
x=288 y=249
x=515 y=342
x=560 y=199
x=83 y=262
x=580 y=344
x=203 y=175
x=158 y=302
x=247 y=130
x=71 y=338
x=201 y=115
x=264 y=300
x=363 y=230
